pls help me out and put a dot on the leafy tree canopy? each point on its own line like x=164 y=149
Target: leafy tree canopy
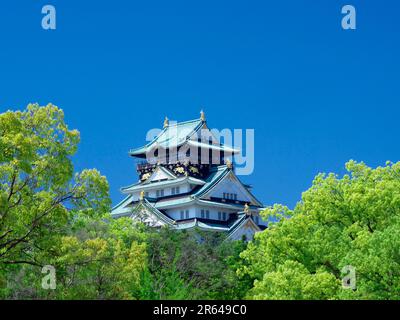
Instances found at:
x=51 y=216
x=349 y=221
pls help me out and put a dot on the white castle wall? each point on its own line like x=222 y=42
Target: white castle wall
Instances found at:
x=195 y=212
x=152 y=193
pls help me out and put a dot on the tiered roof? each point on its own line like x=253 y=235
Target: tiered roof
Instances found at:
x=173 y=136
x=194 y=196
x=177 y=134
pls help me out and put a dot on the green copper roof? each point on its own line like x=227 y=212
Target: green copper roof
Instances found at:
x=156 y=212
x=120 y=208
x=212 y=146
x=239 y=223
x=176 y=134
x=171 y=136
x=144 y=186
x=216 y=175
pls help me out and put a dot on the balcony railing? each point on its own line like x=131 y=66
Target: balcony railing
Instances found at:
x=144 y=166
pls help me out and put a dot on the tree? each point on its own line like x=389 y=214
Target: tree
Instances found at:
x=194 y=265
x=349 y=221
x=37 y=196
x=51 y=216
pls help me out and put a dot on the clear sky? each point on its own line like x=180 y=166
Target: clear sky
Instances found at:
x=315 y=94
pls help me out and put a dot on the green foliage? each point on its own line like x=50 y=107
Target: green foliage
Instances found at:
x=352 y=220
x=194 y=265
x=51 y=216
x=39 y=194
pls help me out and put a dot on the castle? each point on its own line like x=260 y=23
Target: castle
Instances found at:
x=187 y=181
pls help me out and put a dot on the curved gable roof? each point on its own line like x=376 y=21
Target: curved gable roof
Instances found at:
x=222 y=173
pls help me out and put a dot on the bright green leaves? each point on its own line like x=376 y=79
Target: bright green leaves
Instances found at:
x=96 y=268
x=91 y=193
x=349 y=221
x=40 y=197
x=291 y=281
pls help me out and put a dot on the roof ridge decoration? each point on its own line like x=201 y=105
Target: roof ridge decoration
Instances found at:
x=229 y=163
x=166 y=122
x=246 y=209
x=202 y=116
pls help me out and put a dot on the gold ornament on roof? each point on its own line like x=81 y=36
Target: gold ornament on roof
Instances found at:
x=202 y=116
x=246 y=209
x=141 y=195
x=193 y=169
x=166 y=122
x=228 y=163
x=179 y=170
x=146 y=176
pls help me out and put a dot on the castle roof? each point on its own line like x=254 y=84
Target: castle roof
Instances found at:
x=203 y=224
x=176 y=134
x=217 y=174
x=209 y=187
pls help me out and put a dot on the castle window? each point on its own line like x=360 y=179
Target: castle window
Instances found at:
x=229 y=196
x=182 y=215
x=257 y=219
x=175 y=190
x=207 y=214
x=224 y=216
x=146 y=194
x=219 y=215
x=187 y=214
x=202 y=213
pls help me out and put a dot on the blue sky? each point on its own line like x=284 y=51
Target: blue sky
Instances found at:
x=315 y=94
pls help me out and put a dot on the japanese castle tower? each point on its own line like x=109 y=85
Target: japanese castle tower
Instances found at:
x=187 y=181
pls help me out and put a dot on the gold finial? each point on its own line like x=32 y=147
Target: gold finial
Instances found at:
x=141 y=195
x=202 y=116
x=166 y=122
x=228 y=163
x=246 y=209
